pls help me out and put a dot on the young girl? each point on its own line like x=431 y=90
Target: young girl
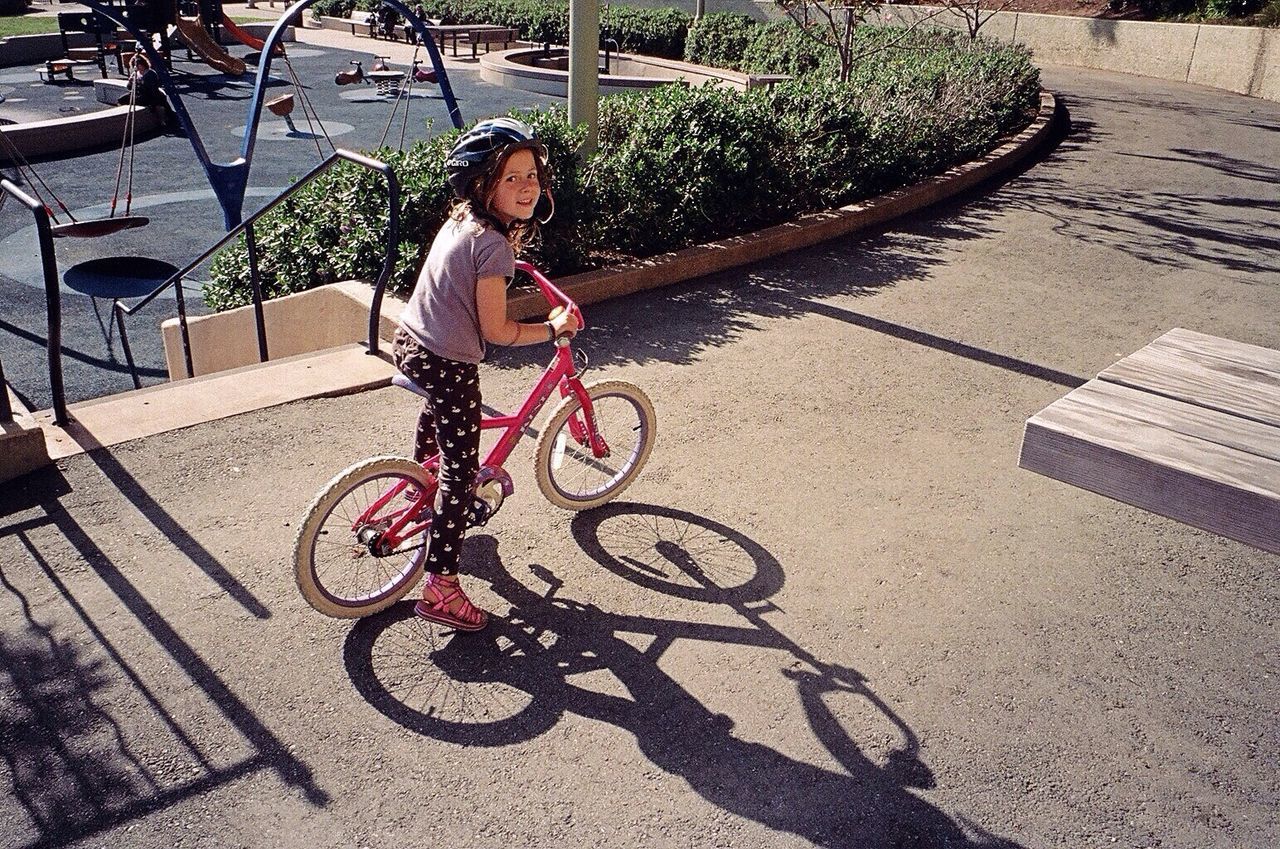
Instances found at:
x=498 y=171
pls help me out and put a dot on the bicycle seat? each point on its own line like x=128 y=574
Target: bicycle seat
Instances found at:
x=405 y=383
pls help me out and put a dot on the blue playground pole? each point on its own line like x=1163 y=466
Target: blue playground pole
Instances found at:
x=229 y=180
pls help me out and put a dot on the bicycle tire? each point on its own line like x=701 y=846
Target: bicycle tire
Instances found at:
x=320 y=583
x=556 y=446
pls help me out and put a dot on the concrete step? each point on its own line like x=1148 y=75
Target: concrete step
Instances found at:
x=183 y=403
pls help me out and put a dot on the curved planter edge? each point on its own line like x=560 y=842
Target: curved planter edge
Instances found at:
x=810 y=229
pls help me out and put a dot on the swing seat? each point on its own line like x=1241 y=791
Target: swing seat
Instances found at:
x=424 y=76
x=95 y=227
x=282 y=105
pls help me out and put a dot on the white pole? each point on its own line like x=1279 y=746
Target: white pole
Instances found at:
x=584 y=56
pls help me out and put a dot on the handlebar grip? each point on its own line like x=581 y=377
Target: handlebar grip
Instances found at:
x=555 y=298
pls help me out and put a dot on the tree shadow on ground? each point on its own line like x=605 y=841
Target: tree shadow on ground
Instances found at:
x=1170 y=229
x=511 y=683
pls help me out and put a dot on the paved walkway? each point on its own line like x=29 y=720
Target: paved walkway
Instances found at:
x=832 y=611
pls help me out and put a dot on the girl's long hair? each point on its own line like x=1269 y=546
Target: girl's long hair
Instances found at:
x=520 y=234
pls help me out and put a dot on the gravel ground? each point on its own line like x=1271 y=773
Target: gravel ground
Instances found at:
x=831 y=612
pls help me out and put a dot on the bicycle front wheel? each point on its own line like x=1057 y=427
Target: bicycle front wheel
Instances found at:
x=341 y=564
x=568 y=472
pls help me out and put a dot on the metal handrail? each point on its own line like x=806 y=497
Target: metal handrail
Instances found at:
x=246 y=226
x=6 y=409
x=53 y=301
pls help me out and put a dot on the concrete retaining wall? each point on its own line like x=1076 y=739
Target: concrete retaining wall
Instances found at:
x=629 y=73
x=1245 y=60
x=78 y=132
x=19 y=50
x=320 y=318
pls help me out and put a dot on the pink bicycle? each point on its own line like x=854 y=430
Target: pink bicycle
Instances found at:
x=362 y=542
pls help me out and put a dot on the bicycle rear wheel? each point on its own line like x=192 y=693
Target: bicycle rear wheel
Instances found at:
x=340 y=566
x=568 y=473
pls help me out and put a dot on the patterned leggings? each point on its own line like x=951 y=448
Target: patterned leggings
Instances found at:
x=449 y=423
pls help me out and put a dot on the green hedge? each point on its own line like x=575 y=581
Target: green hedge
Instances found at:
x=675 y=167
x=719 y=39
x=739 y=43
x=1193 y=9
x=653 y=32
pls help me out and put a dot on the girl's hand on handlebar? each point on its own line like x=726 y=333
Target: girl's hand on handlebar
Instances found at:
x=563 y=322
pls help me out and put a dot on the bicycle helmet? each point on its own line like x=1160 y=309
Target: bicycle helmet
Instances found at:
x=479 y=149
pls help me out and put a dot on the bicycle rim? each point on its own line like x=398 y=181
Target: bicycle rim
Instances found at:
x=579 y=476
x=344 y=568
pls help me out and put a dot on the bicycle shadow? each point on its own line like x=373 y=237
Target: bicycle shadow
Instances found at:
x=511 y=683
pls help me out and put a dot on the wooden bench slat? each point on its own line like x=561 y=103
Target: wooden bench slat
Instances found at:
x=1192 y=420
x=1197 y=481
x=1207 y=381
x=1203 y=345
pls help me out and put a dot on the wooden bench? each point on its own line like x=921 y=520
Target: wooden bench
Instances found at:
x=755 y=81
x=362 y=19
x=488 y=37
x=63 y=67
x=443 y=33
x=1187 y=427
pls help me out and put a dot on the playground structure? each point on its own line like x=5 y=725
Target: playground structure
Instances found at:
x=122 y=27
x=156 y=38
x=229 y=180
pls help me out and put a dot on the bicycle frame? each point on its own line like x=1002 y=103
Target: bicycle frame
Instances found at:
x=561 y=372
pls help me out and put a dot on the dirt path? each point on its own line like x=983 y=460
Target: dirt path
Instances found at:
x=909 y=642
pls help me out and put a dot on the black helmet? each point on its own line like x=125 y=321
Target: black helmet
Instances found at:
x=478 y=149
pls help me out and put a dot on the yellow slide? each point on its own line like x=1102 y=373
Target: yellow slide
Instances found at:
x=195 y=36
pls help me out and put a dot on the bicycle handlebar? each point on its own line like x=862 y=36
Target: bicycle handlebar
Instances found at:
x=554 y=296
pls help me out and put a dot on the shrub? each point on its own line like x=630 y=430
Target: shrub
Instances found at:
x=332 y=8
x=719 y=39
x=1193 y=9
x=676 y=166
x=13 y=7
x=781 y=48
x=655 y=32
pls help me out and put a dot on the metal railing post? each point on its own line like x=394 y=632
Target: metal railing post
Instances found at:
x=393 y=239
x=6 y=409
x=184 y=328
x=246 y=227
x=255 y=287
x=53 y=300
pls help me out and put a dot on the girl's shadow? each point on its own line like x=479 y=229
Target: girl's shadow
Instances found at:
x=510 y=683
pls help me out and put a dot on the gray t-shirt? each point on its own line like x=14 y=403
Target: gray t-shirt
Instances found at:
x=442 y=313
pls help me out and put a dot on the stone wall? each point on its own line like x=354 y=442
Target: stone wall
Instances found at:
x=1245 y=60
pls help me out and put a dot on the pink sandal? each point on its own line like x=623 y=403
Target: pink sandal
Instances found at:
x=434 y=607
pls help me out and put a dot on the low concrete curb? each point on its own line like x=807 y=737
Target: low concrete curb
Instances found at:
x=66 y=135
x=22 y=442
x=665 y=269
